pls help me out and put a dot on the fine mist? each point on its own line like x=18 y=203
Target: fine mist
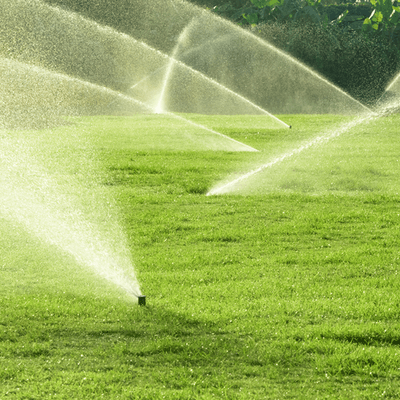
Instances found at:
x=222 y=52
x=66 y=43
x=391 y=98
x=33 y=97
x=53 y=190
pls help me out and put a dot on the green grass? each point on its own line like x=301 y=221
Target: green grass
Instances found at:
x=286 y=293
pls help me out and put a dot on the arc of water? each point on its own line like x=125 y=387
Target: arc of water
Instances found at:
x=277 y=51
x=78 y=238
x=160 y=109
x=169 y=68
x=75 y=18
x=265 y=44
x=128 y=99
x=217 y=84
x=296 y=62
x=160 y=105
x=183 y=54
x=391 y=102
x=45 y=213
x=182 y=36
x=79 y=19
x=318 y=140
x=393 y=82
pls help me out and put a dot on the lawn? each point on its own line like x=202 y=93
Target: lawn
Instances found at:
x=286 y=289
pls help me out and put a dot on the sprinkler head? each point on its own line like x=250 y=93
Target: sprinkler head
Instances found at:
x=142 y=300
x=290 y=126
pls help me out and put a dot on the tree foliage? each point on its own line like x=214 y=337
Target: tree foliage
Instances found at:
x=384 y=19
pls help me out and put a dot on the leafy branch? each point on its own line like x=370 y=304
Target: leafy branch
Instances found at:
x=385 y=18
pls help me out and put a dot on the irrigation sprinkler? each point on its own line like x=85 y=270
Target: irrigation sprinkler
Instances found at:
x=141 y=300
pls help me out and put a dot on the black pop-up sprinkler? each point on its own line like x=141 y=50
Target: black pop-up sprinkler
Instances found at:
x=141 y=300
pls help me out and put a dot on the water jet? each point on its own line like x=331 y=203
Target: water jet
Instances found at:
x=235 y=184
x=390 y=99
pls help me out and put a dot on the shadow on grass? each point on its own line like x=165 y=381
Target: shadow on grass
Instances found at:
x=368 y=338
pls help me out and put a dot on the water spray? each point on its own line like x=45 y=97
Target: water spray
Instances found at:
x=227 y=187
x=174 y=62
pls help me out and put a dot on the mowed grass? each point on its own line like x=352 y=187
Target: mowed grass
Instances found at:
x=282 y=294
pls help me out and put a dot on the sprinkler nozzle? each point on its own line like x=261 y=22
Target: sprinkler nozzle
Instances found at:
x=290 y=126
x=142 y=300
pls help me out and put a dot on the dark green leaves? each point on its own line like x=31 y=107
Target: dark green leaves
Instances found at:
x=384 y=18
